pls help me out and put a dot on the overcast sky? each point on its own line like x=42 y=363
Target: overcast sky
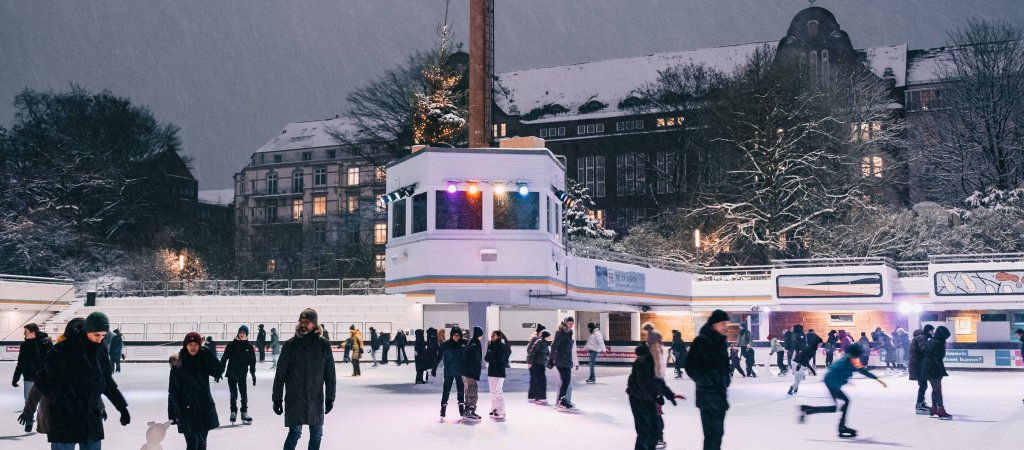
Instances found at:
x=232 y=73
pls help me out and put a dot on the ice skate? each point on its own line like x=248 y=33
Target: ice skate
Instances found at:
x=499 y=416
x=792 y=391
x=591 y=381
x=246 y=418
x=922 y=408
x=444 y=408
x=847 y=432
x=471 y=414
x=234 y=416
x=661 y=444
x=803 y=413
x=462 y=412
x=563 y=405
x=941 y=413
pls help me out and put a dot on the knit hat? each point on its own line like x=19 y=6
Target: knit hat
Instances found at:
x=477 y=332
x=243 y=329
x=927 y=328
x=192 y=336
x=743 y=325
x=567 y=320
x=544 y=335
x=718 y=316
x=351 y=328
x=308 y=314
x=540 y=328
x=96 y=321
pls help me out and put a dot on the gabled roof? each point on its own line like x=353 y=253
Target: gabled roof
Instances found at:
x=312 y=134
x=887 y=57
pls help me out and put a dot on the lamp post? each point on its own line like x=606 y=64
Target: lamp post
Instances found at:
x=696 y=242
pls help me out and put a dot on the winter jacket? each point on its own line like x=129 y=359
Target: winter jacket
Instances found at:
x=71 y=380
x=239 y=356
x=116 y=346
x=832 y=343
x=845 y=340
x=917 y=353
x=932 y=365
x=496 y=360
x=189 y=400
x=400 y=339
x=539 y=351
x=454 y=355
x=374 y=340
x=776 y=346
x=839 y=373
x=563 y=348
x=890 y=350
x=261 y=337
x=433 y=348
x=799 y=338
x=678 y=347
x=744 y=338
x=807 y=354
x=595 y=343
x=212 y=347
x=473 y=361
x=865 y=344
x=707 y=364
x=642 y=384
x=787 y=340
x=31 y=355
x=357 y=345
x=275 y=343
x=305 y=379
x=422 y=357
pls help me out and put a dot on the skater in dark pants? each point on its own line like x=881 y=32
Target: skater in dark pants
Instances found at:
x=305 y=384
x=805 y=362
x=453 y=351
x=400 y=356
x=562 y=358
x=914 y=367
x=357 y=351
x=830 y=347
x=646 y=396
x=779 y=351
x=421 y=357
x=734 y=362
x=748 y=357
x=679 y=351
x=239 y=358
x=190 y=404
x=595 y=346
x=116 y=350
x=707 y=364
x=261 y=342
x=838 y=375
x=433 y=351
x=934 y=370
x=538 y=353
x=385 y=343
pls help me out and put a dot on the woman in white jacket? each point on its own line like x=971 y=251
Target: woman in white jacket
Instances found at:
x=595 y=345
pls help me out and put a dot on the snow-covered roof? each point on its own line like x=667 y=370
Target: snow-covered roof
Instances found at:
x=925 y=66
x=888 y=57
x=221 y=197
x=300 y=135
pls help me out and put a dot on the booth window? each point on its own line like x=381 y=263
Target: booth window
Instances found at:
x=459 y=211
x=513 y=211
x=419 y=212
x=398 y=218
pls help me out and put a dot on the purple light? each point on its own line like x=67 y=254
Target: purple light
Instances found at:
x=452 y=188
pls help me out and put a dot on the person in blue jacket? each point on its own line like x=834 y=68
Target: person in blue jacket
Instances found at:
x=838 y=375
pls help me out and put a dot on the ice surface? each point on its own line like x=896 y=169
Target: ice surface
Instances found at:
x=384 y=410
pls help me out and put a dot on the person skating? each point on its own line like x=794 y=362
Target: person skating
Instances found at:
x=116 y=350
x=31 y=354
x=275 y=347
x=787 y=342
x=305 y=382
x=804 y=362
x=646 y=395
x=440 y=350
x=324 y=334
x=537 y=354
x=347 y=345
x=921 y=336
x=239 y=357
x=748 y=359
x=421 y=357
x=497 y=360
x=655 y=347
x=72 y=378
x=830 y=347
x=865 y=345
x=433 y=352
x=595 y=346
x=836 y=377
x=933 y=369
x=212 y=347
x=891 y=358
x=562 y=359
x=357 y=349
x=385 y=343
x=1020 y=337
x=471 y=368
x=374 y=345
x=708 y=366
x=743 y=339
x=453 y=352
x=734 y=362
x=845 y=340
x=261 y=342
x=190 y=404
x=779 y=351
x=400 y=341
x=678 y=350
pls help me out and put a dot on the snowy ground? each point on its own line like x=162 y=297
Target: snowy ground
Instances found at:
x=383 y=410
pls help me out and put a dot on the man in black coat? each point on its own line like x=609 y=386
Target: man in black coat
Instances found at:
x=30 y=359
x=707 y=364
x=385 y=342
x=239 y=358
x=306 y=372
x=261 y=341
x=72 y=378
x=471 y=369
x=914 y=366
x=561 y=359
x=646 y=394
x=400 y=355
x=116 y=350
x=422 y=357
x=189 y=401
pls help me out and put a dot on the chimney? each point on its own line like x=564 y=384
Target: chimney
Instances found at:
x=481 y=71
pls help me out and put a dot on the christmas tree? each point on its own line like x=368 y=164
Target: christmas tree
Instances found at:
x=580 y=221
x=438 y=119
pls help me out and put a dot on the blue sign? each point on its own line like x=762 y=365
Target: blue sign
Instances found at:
x=619 y=280
x=1004 y=358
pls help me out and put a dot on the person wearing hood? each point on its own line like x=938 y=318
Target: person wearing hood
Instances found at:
x=678 y=352
x=830 y=347
x=374 y=345
x=31 y=354
x=865 y=344
x=432 y=358
x=305 y=382
x=400 y=341
x=421 y=357
x=902 y=342
x=239 y=358
x=275 y=346
x=744 y=340
x=538 y=352
x=453 y=352
x=708 y=367
x=261 y=342
x=921 y=336
x=385 y=343
x=116 y=350
x=471 y=366
x=190 y=404
x=933 y=369
x=807 y=342
x=212 y=346
x=497 y=360
x=804 y=362
x=845 y=340
x=72 y=378
x=646 y=396
x=595 y=346
x=562 y=351
x=836 y=377
x=357 y=349
x=787 y=342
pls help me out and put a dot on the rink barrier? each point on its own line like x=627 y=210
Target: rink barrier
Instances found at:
x=289 y=287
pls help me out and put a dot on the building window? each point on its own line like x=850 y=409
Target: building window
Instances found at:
x=872 y=166
x=458 y=211
x=590 y=173
x=924 y=99
x=513 y=211
x=667 y=122
x=271 y=183
x=419 y=212
x=320 y=205
x=865 y=131
x=597 y=215
x=841 y=320
x=581 y=129
x=307 y=156
x=319 y=177
x=398 y=218
x=561 y=131
x=543 y=132
x=378 y=262
x=272 y=214
x=380 y=174
x=297 y=181
x=277 y=158
x=297 y=209
x=590 y=129
x=331 y=154
x=824 y=65
x=499 y=129
x=380 y=233
x=629 y=174
x=320 y=234
x=666 y=172
x=353 y=203
x=629 y=125
x=353 y=176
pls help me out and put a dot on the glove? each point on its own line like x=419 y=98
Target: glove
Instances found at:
x=328 y=407
x=103 y=414
x=278 y=408
x=253 y=379
x=577 y=367
x=125 y=417
x=174 y=421
x=25 y=418
x=882 y=383
x=14 y=383
x=660 y=413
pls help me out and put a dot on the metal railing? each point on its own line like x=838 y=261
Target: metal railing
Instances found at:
x=976 y=258
x=832 y=262
x=223 y=332
x=344 y=286
x=734 y=273
x=624 y=258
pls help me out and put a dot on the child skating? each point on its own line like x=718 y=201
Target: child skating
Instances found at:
x=734 y=362
x=838 y=375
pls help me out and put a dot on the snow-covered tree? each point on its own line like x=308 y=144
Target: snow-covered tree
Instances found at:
x=438 y=117
x=579 y=221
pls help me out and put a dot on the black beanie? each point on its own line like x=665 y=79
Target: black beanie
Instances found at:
x=96 y=321
x=928 y=328
x=545 y=335
x=308 y=314
x=718 y=316
x=540 y=328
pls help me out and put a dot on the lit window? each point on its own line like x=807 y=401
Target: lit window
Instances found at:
x=494 y=130
x=380 y=233
x=353 y=176
x=353 y=204
x=378 y=262
x=597 y=216
x=297 y=209
x=381 y=174
x=504 y=131
x=872 y=166
x=660 y=122
x=320 y=205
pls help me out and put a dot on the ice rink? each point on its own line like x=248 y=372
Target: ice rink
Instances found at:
x=384 y=410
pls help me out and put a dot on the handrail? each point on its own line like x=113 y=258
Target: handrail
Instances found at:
x=976 y=257
x=286 y=287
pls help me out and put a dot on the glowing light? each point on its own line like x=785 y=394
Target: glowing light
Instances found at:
x=181 y=262
x=905 y=308
x=696 y=238
x=918 y=308
x=499 y=189
x=452 y=188
x=766 y=309
x=523 y=189
x=473 y=189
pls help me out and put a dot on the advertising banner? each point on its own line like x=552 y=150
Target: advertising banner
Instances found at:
x=620 y=280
